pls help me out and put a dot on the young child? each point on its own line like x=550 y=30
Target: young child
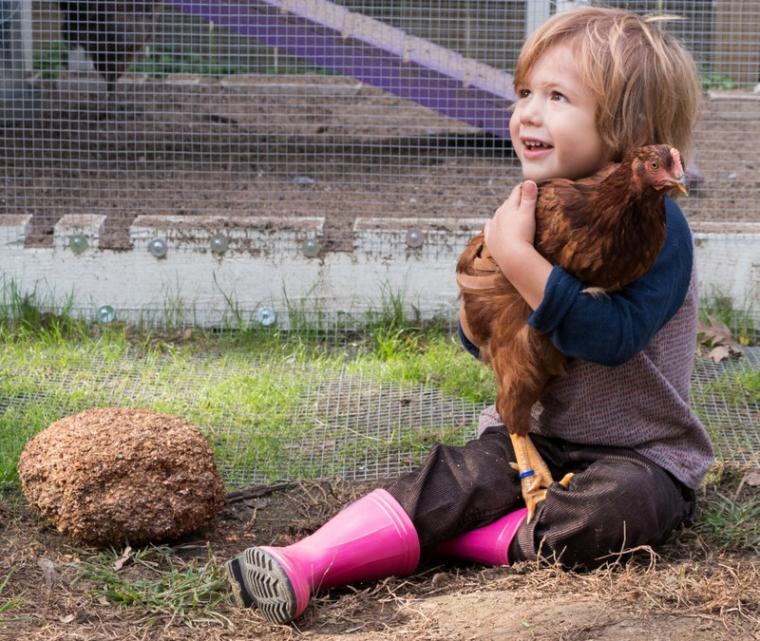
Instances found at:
x=591 y=83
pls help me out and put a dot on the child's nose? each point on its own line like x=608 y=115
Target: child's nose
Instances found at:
x=530 y=113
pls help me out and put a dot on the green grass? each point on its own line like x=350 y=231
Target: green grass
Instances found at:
x=730 y=523
x=738 y=386
x=254 y=392
x=739 y=319
x=9 y=603
x=431 y=358
x=728 y=515
x=247 y=389
x=157 y=581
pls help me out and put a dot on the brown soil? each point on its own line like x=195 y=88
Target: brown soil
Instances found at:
x=686 y=592
x=297 y=145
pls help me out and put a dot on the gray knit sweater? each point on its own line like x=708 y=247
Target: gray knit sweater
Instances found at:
x=642 y=404
x=631 y=357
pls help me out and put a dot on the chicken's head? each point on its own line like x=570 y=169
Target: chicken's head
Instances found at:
x=659 y=167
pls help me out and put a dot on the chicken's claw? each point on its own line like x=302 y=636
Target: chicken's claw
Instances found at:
x=534 y=491
x=535 y=477
x=565 y=482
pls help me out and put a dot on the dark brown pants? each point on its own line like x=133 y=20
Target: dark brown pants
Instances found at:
x=616 y=501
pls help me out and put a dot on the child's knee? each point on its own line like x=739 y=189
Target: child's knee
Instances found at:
x=607 y=511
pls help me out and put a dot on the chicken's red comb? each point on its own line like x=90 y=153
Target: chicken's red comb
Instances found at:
x=677 y=160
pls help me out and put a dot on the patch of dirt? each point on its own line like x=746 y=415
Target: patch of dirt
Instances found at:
x=296 y=146
x=687 y=592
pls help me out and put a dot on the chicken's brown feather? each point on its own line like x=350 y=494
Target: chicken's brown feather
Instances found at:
x=601 y=230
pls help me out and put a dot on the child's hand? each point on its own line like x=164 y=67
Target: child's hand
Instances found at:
x=514 y=222
x=510 y=235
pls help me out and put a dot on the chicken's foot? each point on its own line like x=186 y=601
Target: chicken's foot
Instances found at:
x=535 y=477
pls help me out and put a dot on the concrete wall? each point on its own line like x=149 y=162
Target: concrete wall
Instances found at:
x=214 y=266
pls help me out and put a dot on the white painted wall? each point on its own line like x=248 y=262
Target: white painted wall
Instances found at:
x=265 y=265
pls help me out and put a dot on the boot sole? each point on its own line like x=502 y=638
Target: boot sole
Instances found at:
x=257 y=578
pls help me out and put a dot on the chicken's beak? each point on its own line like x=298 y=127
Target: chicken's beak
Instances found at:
x=676 y=181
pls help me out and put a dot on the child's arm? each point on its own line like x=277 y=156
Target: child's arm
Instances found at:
x=512 y=231
x=610 y=330
x=510 y=235
x=466 y=342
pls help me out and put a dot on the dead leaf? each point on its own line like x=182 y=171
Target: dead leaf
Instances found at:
x=125 y=555
x=49 y=574
x=718 y=354
x=68 y=618
x=717 y=336
x=713 y=332
x=752 y=478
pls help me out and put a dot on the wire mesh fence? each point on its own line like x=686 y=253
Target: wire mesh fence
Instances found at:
x=288 y=107
x=393 y=108
x=296 y=419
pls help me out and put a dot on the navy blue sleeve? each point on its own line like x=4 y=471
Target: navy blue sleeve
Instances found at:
x=610 y=330
x=467 y=343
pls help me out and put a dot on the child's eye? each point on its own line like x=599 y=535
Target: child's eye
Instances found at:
x=556 y=95
x=523 y=93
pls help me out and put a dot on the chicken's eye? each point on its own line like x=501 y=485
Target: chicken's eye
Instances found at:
x=655 y=165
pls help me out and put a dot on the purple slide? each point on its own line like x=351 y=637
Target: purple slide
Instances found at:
x=369 y=50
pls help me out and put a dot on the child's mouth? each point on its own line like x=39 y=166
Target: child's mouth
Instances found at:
x=535 y=148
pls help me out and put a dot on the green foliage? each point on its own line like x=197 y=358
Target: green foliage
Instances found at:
x=738 y=318
x=730 y=523
x=159 y=582
x=9 y=603
x=426 y=357
x=162 y=60
x=25 y=314
x=738 y=386
x=729 y=511
x=250 y=392
x=718 y=81
x=749 y=383
x=51 y=60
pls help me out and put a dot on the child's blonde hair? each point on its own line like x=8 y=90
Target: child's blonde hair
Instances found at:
x=644 y=82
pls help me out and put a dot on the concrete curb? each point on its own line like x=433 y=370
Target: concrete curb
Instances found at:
x=204 y=269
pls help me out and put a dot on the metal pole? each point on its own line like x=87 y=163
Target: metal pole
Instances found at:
x=27 y=44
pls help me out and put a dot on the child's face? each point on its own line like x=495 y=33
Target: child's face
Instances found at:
x=556 y=110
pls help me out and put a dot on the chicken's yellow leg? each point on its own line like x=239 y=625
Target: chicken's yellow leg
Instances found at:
x=535 y=476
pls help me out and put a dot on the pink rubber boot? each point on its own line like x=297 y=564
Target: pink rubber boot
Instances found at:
x=488 y=545
x=371 y=538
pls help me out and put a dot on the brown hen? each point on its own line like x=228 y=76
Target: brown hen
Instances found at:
x=607 y=231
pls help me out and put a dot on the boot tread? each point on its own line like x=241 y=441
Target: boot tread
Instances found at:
x=268 y=585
